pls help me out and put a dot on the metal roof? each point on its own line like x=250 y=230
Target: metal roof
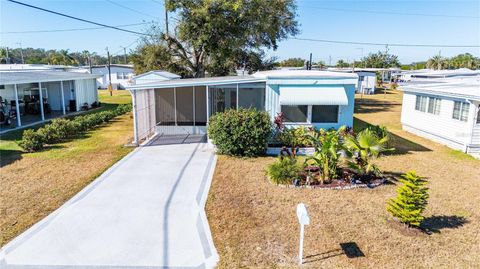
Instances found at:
x=196 y=82
x=19 y=77
x=262 y=76
x=161 y=73
x=465 y=87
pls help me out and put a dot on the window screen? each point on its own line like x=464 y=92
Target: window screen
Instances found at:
x=324 y=114
x=165 y=106
x=434 y=105
x=184 y=98
x=460 y=110
x=295 y=113
x=421 y=103
x=478 y=115
x=200 y=106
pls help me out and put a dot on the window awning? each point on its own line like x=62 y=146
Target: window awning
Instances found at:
x=313 y=96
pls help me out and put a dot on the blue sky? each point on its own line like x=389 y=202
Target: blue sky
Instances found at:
x=362 y=21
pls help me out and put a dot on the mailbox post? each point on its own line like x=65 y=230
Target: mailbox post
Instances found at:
x=303 y=219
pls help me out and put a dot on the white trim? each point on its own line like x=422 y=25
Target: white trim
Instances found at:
x=194 y=116
x=63 y=97
x=236 y=101
x=175 y=104
x=208 y=107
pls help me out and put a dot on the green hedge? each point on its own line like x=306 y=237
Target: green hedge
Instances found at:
x=242 y=132
x=61 y=129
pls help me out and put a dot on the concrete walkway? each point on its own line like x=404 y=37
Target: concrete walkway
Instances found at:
x=147 y=211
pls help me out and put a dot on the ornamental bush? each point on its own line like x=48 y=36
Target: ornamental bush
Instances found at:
x=60 y=129
x=411 y=200
x=284 y=170
x=31 y=141
x=242 y=132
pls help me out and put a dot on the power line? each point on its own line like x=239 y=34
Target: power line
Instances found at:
x=385 y=44
x=131 y=9
x=78 y=19
x=71 y=29
x=395 y=13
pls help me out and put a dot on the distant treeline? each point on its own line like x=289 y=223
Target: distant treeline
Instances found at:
x=56 y=57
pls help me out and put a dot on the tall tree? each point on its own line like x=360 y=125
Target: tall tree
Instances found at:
x=437 y=62
x=293 y=62
x=215 y=36
x=381 y=59
x=342 y=64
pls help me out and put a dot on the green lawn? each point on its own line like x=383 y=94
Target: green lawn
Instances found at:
x=35 y=184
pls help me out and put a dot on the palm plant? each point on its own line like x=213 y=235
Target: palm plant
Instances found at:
x=327 y=154
x=363 y=150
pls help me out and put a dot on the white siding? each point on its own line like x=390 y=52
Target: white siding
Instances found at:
x=85 y=92
x=441 y=128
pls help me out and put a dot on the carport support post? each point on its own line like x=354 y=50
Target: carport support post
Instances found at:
x=41 y=101
x=63 y=97
x=17 y=107
x=208 y=108
x=237 y=96
x=175 y=104
x=193 y=105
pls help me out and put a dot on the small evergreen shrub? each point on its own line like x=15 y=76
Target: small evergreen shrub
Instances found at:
x=49 y=134
x=31 y=141
x=411 y=200
x=284 y=170
x=242 y=132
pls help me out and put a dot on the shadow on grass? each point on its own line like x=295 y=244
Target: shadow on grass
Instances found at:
x=349 y=249
x=365 y=106
x=9 y=156
x=402 y=146
x=435 y=224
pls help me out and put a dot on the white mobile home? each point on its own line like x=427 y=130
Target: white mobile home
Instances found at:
x=30 y=97
x=154 y=76
x=307 y=98
x=445 y=110
x=120 y=75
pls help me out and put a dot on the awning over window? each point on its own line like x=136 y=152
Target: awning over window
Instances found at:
x=313 y=96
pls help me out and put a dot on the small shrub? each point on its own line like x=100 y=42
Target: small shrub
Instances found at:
x=31 y=141
x=296 y=137
x=50 y=134
x=411 y=200
x=242 y=132
x=64 y=127
x=284 y=170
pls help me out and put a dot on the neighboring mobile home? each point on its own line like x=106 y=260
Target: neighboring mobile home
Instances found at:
x=154 y=76
x=23 y=92
x=120 y=75
x=306 y=97
x=446 y=110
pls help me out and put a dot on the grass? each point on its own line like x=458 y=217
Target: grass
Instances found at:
x=254 y=224
x=35 y=184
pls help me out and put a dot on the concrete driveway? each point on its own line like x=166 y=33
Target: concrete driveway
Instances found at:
x=146 y=211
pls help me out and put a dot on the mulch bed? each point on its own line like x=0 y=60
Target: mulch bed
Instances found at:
x=339 y=185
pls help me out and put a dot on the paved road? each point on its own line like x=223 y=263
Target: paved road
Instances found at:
x=145 y=211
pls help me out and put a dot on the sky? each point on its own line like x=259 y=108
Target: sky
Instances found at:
x=453 y=22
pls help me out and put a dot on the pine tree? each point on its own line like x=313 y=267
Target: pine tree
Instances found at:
x=411 y=200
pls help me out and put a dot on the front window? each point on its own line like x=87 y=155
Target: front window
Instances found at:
x=324 y=114
x=421 y=103
x=434 y=105
x=460 y=110
x=295 y=113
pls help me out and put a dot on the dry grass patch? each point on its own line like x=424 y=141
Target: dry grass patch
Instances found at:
x=254 y=223
x=35 y=184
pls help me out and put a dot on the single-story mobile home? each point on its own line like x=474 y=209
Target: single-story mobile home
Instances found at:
x=154 y=76
x=120 y=75
x=445 y=110
x=29 y=97
x=306 y=97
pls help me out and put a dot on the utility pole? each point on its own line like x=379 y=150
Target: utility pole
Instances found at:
x=310 y=62
x=110 y=89
x=125 y=54
x=21 y=52
x=329 y=60
x=166 y=17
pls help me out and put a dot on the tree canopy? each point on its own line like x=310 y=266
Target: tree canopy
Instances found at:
x=465 y=60
x=380 y=59
x=341 y=63
x=218 y=36
x=292 y=62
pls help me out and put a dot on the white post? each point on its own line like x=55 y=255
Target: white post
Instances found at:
x=134 y=109
x=41 y=101
x=63 y=98
x=300 y=252
x=175 y=104
x=237 y=95
x=194 y=106
x=208 y=108
x=17 y=107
